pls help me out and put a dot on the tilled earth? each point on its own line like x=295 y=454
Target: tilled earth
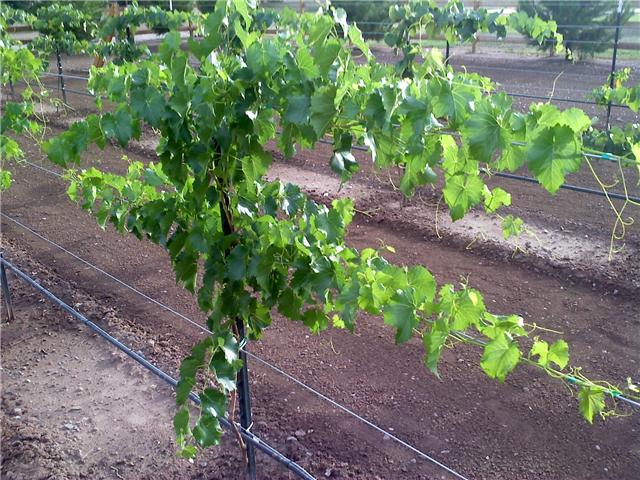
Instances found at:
x=527 y=428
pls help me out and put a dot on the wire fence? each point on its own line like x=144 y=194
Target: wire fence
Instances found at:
x=247 y=435
x=601 y=156
x=253 y=356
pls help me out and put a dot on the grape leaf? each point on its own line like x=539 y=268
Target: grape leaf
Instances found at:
x=461 y=192
x=591 y=401
x=553 y=153
x=500 y=356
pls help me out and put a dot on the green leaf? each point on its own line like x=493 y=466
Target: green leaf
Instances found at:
x=298 y=109
x=512 y=226
x=553 y=153
x=149 y=104
x=591 y=401
x=263 y=58
x=214 y=402
x=461 y=192
x=464 y=307
x=344 y=163
x=416 y=172
x=5 y=180
x=433 y=343
x=451 y=100
x=487 y=131
x=316 y=320
x=207 y=431
x=500 y=356
x=575 y=119
x=319 y=31
x=340 y=17
x=355 y=35
x=256 y=165
x=496 y=198
x=57 y=151
x=186 y=268
x=400 y=313
x=325 y=54
x=540 y=348
x=559 y=353
x=306 y=62
x=423 y=284
x=322 y=109
x=237 y=263
x=181 y=421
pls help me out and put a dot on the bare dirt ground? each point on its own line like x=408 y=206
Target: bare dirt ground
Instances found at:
x=526 y=429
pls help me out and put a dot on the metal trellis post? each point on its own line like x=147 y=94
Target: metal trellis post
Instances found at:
x=613 y=59
x=60 y=75
x=244 y=401
x=242 y=380
x=446 y=53
x=5 y=290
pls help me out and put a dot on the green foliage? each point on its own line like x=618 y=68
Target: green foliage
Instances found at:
x=245 y=246
x=62 y=28
x=371 y=17
x=17 y=64
x=586 y=29
x=458 y=25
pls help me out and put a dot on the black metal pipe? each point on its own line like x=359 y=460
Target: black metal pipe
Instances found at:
x=242 y=379
x=61 y=76
x=6 y=292
x=613 y=61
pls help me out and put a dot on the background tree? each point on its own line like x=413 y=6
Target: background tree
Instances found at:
x=372 y=17
x=585 y=24
x=93 y=8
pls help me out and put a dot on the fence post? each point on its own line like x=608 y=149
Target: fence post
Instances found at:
x=244 y=403
x=243 y=393
x=60 y=75
x=6 y=293
x=474 y=44
x=446 y=54
x=613 y=60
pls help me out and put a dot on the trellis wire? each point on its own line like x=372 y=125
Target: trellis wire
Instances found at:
x=249 y=354
x=246 y=434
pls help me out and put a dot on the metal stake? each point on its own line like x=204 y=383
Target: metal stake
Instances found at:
x=5 y=289
x=244 y=397
x=613 y=60
x=446 y=54
x=60 y=75
x=242 y=380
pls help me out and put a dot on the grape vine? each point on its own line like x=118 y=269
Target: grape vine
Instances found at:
x=246 y=247
x=17 y=64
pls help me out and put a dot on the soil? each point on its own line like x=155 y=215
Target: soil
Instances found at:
x=528 y=428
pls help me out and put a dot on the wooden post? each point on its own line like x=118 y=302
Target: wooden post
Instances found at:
x=474 y=45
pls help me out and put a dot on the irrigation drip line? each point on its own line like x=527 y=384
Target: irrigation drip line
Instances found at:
x=40 y=167
x=246 y=434
x=358 y=417
x=566 y=100
x=249 y=354
x=575 y=188
x=73 y=77
x=531 y=70
x=107 y=274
